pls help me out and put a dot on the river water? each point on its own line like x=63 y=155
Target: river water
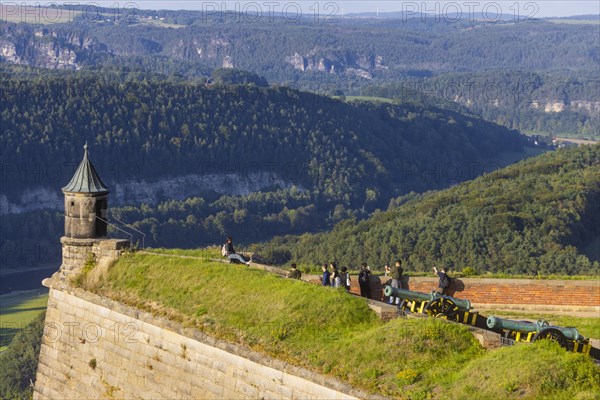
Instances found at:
x=25 y=280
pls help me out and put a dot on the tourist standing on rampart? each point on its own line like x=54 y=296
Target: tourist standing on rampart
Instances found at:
x=345 y=278
x=326 y=278
x=363 y=281
x=444 y=281
x=396 y=279
x=387 y=270
x=335 y=276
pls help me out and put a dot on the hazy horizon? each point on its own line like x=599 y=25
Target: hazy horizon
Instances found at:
x=532 y=9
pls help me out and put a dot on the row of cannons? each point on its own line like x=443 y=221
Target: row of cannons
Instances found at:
x=460 y=310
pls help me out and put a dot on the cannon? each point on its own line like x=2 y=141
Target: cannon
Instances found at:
x=525 y=331
x=407 y=294
x=521 y=326
x=432 y=303
x=459 y=310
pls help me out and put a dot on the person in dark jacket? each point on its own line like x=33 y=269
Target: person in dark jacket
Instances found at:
x=294 y=273
x=326 y=278
x=444 y=281
x=363 y=281
x=335 y=276
x=396 y=280
x=345 y=278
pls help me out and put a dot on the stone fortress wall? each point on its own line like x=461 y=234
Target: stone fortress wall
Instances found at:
x=97 y=348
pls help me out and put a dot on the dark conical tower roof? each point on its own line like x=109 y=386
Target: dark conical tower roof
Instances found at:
x=86 y=179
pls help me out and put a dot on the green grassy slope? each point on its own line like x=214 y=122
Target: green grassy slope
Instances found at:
x=335 y=333
x=529 y=218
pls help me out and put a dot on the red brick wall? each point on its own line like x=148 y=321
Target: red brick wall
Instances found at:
x=501 y=291
x=518 y=291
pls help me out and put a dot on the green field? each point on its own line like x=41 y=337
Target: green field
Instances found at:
x=160 y=24
x=334 y=333
x=574 y=21
x=17 y=310
x=370 y=98
x=20 y=12
x=590 y=137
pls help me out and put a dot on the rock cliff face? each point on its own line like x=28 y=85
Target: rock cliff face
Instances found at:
x=41 y=47
x=63 y=48
x=545 y=105
x=32 y=199
x=8 y=52
x=554 y=106
x=357 y=65
x=137 y=192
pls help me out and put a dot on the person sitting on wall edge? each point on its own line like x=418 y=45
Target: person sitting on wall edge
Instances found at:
x=229 y=251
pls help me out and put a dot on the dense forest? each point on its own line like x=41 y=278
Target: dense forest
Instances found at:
x=328 y=159
x=537 y=216
x=18 y=364
x=161 y=94
x=338 y=149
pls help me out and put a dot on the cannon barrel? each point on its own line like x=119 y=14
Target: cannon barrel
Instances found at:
x=407 y=294
x=525 y=326
x=418 y=296
x=571 y=333
x=463 y=304
x=519 y=326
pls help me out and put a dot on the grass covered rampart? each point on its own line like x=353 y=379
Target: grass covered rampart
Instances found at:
x=335 y=333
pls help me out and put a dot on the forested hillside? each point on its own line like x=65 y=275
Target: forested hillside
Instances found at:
x=526 y=101
x=529 y=218
x=165 y=129
x=327 y=159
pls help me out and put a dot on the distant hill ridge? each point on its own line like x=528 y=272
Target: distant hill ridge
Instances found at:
x=342 y=54
x=340 y=50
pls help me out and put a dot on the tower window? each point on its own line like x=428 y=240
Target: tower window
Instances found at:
x=72 y=203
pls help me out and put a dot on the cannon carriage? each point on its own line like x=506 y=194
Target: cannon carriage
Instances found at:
x=525 y=331
x=436 y=305
x=459 y=310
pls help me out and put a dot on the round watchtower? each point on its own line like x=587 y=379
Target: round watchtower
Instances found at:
x=86 y=202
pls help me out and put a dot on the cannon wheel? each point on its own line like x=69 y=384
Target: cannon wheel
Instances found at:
x=441 y=308
x=403 y=306
x=554 y=335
